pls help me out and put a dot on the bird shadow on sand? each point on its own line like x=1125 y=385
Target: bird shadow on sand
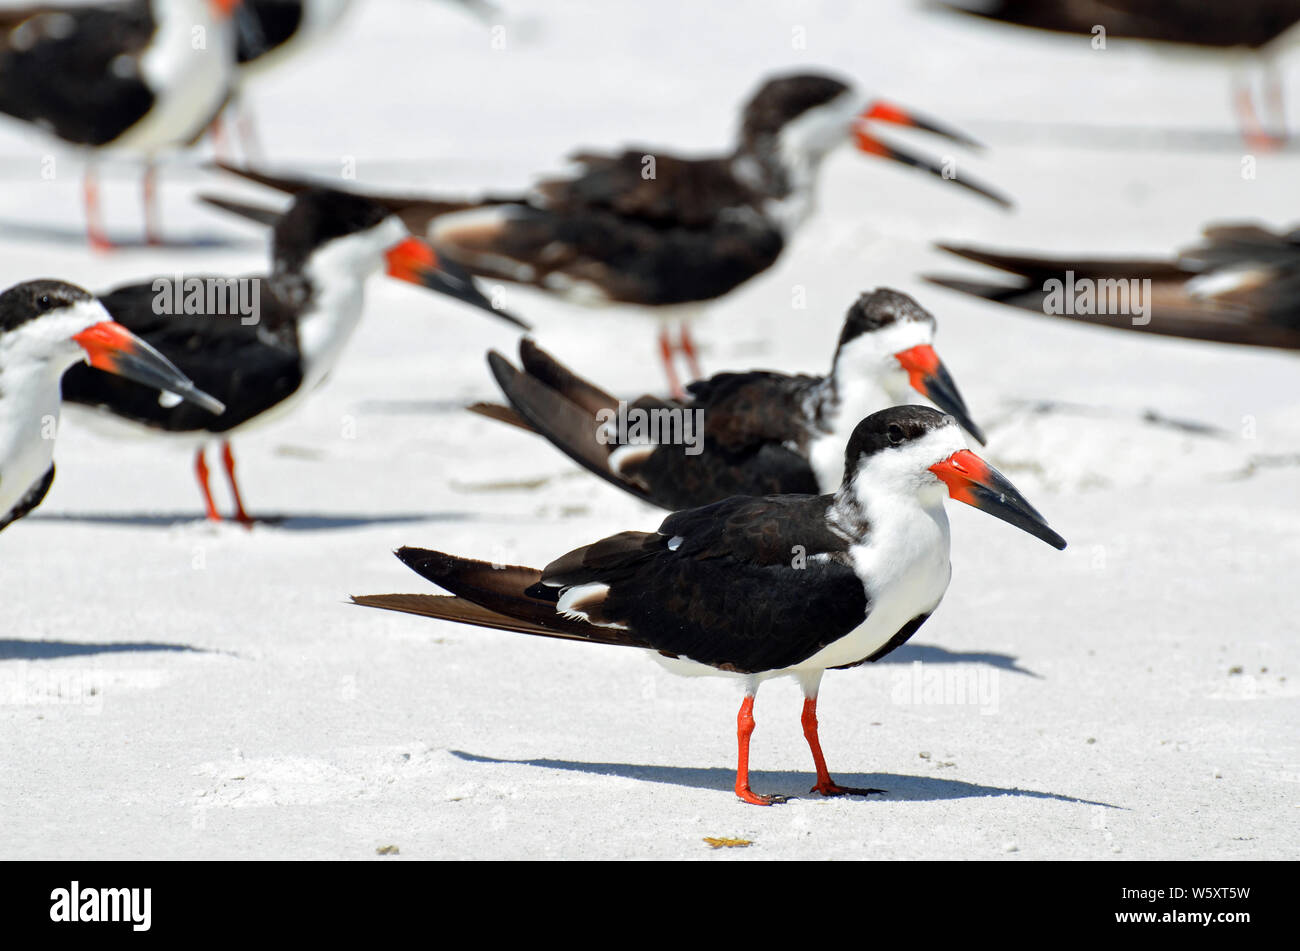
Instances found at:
x=795 y=785
x=929 y=654
x=69 y=235
x=55 y=650
x=299 y=522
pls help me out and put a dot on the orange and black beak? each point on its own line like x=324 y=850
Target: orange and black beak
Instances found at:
x=972 y=480
x=886 y=112
x=111 y=347
x=415 y=261
x=930 y=378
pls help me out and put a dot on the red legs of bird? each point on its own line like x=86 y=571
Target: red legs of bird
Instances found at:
x=689 y=352
x=1273 y=98
x=809 y=681
x=744 y=730
x=94 y=222
x=220 y=141
x=666 y=354
x=686 y=347
x=149 y=190
x=203 y=473
x=228 y=458
x=201 y=470
x=223 y=143
x=1248 y=119
x=825 y=785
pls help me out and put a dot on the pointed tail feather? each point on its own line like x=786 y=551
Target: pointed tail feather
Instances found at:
x=415 y=211
x=502 y=414
x=1039 y=268
x=499 y=595
x=258 y=213
x=540 y=364
x=570 y=428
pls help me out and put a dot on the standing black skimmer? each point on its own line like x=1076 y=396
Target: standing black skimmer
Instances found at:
x=1261 y=28
x=1241 y=285
x=140 y=75
x=46 y=327
x=763 y=433
x=716 y=590
x=260 y=364
x=649 y=229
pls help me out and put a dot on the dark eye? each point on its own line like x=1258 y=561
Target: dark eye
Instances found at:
x=895 y=433
x=45 y=302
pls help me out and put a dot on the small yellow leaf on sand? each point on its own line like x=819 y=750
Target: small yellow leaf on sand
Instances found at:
x=387 y=850
x=727 y=843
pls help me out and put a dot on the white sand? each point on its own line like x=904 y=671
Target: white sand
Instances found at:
x=241 y=708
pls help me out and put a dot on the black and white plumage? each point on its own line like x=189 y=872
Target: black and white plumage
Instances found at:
x=762 y=432
x=138 y=75
x=45 y=328
x=755 y=588
x=324 y=248
x=1240 y=285
x=652 y=230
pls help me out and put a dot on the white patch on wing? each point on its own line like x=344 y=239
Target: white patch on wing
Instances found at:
x=675 y=542
x=1227 y=280
x=628 y=455
x=575 y=602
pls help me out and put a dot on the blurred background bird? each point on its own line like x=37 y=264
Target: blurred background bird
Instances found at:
x=141 y=76
x=662 y=233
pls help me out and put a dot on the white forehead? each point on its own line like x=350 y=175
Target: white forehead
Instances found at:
x=821 y=128
x=898 y=336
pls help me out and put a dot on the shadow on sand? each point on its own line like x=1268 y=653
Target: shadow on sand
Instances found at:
x=897 y=787
x=292 y=523
x=929 y=654
x=76 y=235
x=54 y=650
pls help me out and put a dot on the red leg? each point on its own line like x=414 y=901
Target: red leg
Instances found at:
x=220 y=146
x=688 y=351
x=666 y=352
x=744 y=730
x=94 y=225
x=1252 y=130
x=201 y=469
x=1277 y=104
x=228 y=458
x=825 y=785
x=152 y=234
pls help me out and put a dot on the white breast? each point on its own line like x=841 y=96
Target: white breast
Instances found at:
x=29 y=415
x=189 y=67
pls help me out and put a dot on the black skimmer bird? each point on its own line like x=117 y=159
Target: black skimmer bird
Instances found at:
x=46 y=327
x=261 y=360
x=649 y=229
x=1240 y=285
x=1261 y=28
x=723 y=589
x=139 y=75
x=760 y=433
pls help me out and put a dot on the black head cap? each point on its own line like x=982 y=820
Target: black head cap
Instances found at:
x=782 y=99
x=881 y=308
x=31 y=299
x=890 y=429
x=318 y=216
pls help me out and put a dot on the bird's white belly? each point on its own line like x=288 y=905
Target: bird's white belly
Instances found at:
x=26 y=446
x=190 y=86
